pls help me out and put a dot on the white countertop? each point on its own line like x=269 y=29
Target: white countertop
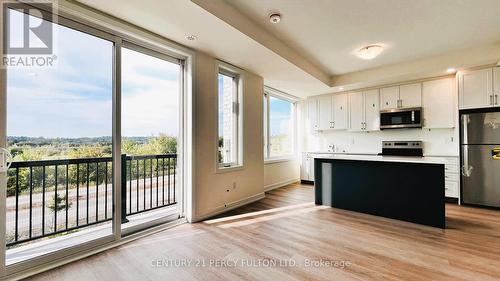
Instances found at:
x=400 y=159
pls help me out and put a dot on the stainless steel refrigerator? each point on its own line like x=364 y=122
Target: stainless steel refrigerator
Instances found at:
x=480 y=154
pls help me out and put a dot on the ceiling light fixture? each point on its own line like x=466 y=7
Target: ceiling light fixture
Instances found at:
x=191 y=37
x=341 y=88
x=451 y=70
x=370 y=52
x=274 y=18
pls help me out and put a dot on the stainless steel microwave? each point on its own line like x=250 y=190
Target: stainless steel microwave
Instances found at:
x=401 y=118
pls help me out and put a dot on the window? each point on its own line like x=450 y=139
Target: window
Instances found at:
x=228 y=152
x=279 y=127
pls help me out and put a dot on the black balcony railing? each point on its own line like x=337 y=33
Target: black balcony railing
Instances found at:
x=51 y=197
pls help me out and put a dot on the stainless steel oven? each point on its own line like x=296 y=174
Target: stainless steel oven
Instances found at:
x=401 y=118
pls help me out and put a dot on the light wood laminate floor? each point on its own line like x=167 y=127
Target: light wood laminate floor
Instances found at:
x=287 y=228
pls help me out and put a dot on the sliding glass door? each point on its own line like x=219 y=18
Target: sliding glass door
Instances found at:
x=94 y=140
x=59 y=188
x=150 y=94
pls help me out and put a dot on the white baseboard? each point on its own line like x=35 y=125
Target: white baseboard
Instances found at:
x=280 y=184
x=230 y=206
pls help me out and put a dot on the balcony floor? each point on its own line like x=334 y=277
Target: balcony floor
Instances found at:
x=49 y=245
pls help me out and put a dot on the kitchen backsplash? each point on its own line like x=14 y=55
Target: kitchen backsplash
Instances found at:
x=436 y=141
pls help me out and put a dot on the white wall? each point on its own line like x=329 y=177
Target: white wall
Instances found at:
x=211 y=195
x=437 y=142
x=281 y=173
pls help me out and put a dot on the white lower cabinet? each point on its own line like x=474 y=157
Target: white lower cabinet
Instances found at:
x=307 y=167
x=452 y=177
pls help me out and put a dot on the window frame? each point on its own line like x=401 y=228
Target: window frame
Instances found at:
x=237 y=75
x=268 y=93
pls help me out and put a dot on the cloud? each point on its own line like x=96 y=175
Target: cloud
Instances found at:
x=75 y=98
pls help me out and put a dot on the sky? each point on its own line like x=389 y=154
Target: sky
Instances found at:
x=280 y=117
x=74 y=99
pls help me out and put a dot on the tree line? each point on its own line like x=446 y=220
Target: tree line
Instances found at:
x=30 y=149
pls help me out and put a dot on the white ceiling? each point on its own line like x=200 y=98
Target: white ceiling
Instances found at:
x=316 y=39
x=328 y=31
x=175 y=19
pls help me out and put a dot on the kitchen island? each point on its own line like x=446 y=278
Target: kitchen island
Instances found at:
x=404 y=188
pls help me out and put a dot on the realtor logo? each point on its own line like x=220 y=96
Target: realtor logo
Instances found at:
x=35 y=31
x=29 y=33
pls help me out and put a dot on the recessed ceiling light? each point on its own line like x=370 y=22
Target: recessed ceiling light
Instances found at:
x=370 y=52
x=341 y=88
x=191 y=37
x=274 y=18
x=451 y=70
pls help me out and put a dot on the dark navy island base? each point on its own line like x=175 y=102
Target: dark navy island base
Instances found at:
x=412 y=192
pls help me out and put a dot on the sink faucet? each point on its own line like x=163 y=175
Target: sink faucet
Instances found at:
x=331 y=148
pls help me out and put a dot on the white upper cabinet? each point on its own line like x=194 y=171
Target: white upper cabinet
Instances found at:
x=332 y=112
x=356 y=111
x=372 y=110
x=312 y=113
x=439 y=103
x=401 y=96
x=496 y=85
x=389 y=97
x=364 y=111
x=476 y=89
x=340 y=116
x=410 y=95
x=325 y=112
